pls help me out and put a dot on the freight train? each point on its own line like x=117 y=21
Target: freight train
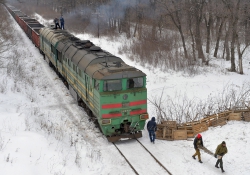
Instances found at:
x=112 y=92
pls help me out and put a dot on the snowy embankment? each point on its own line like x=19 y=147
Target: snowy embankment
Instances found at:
x=43 y=131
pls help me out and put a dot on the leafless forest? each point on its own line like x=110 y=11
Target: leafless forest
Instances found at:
x=176 y=33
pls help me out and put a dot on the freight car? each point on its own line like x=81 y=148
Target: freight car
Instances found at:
x=112 y=92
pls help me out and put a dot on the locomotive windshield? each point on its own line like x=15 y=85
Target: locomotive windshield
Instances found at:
x=135 y=82
x=112 y=85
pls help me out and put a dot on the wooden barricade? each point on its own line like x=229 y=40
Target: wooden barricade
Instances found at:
x=246 y=116
x=200 y=127
x=235 y=116
x=188 y=128
x=165 y=130
x=218 y=121
x=170 y=124
x=215 y=118
x=180 y=135
x=169 y=130
x=241 y=109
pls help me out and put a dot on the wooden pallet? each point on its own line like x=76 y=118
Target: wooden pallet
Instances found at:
x=235 y=116
x=218 y=121
x=188 y=128
x=215 y=116
x=200 y=127
x=180 y=135
x=164 y=133
x=169 y=124
x=246 y=116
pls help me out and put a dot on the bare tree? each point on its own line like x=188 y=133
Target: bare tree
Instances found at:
x=173 y=10
x=198 y=9
x=220 y=15
x=234 y=17
x=208 y=16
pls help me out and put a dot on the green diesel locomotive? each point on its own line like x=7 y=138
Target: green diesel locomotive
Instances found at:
x=111 y=91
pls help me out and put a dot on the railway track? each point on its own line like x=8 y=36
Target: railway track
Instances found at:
x=140 y=158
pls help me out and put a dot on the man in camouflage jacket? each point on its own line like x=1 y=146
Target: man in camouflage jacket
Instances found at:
x=220 y=152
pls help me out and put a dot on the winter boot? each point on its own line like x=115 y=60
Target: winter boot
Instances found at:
x=217 y=166
x=222 y=170
x=193 y=157
x=200 y=161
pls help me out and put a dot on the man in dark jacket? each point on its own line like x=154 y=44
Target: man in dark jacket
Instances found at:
x=151 y=126
x=62 y=22
x=56 y=21
x=198 y=142
x=220 y=151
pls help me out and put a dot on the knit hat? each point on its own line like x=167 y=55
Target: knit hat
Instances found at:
x=223 y=142
x=198 y=136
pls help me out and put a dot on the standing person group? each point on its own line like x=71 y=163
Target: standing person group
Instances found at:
x=151 y=127
x=56 y=21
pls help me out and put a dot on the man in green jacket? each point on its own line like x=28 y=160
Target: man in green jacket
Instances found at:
x=220 y=152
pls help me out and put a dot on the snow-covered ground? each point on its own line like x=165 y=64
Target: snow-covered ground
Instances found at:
x=44 y=132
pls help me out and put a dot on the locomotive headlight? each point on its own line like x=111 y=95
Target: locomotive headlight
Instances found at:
x=106 y=121
x=144 y=117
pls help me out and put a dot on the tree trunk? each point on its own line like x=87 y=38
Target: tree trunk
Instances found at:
x=240 y=64
x=234 y=18
x=135 y=30
x=198 y=42
x=198 y=20
x=233 y=50
x=208 y=27
x=183 y=42
x=218 y=38
x=226 y=46
x=240 y=56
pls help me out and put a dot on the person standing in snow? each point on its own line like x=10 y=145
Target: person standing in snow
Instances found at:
x=220 y=151
x=198 y=142
x=151 y=126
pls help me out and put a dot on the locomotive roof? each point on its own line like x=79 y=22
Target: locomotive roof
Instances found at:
x=113 y=70
x=89 y=58
x=54 y=36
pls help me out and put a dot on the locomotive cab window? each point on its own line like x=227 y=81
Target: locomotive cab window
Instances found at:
x=112 y=85
x=135 y=82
